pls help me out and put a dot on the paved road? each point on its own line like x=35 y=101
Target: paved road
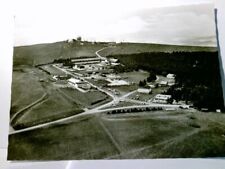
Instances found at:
x=99 y=56
x=94 y=111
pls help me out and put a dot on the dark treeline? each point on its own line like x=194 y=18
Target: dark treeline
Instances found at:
x=65 y=62
x=197 y=74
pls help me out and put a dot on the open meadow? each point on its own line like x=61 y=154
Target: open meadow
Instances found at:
x=36 y=100
x=87 y=100
x=25 y=79
x=156 y=134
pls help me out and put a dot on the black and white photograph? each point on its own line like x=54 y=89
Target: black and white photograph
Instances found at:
x=116 y=79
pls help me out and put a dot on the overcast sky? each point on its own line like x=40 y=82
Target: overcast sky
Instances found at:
x=184 y=22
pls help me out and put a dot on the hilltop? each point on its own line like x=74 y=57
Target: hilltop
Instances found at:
x=45 y=53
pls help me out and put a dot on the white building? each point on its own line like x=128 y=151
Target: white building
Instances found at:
x=113 y=60
x=145 y=91
x=115 y=64
x=55 y=77
x=161 y=98
x=171 y=83
x=171 y=76
x=152 y=86
x=113 y=76
x=79 y=85
x=74 y=82
x=163 y=83
x=118 y=83
x=80 y=67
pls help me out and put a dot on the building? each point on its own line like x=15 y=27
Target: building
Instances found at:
x=113 y=76
x=218 y=110
x=86 y=61
x=161 y=98
x=117 y=83
x=60 y=77
x=113 y=60
x=105 y=62
x=80 y=67
x=74 y=82
x=115 y=64
x=152 y=86
x=163 y=83
x=84 y=86
x=144 y=91
x=171 y=83
x=80 y=85
x=171 y=76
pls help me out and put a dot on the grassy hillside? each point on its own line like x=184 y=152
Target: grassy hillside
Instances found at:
x=45 y=53
x=27 y=89
x=131 y=48
x=156 y=134
x=21 y=97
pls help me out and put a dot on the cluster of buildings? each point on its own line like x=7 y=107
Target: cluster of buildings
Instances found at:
x=169 y=82
x=97 y=68
x=93 y=64
x=79 y=84
x=159 y=98
x=93 y=68
x=115 y=80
